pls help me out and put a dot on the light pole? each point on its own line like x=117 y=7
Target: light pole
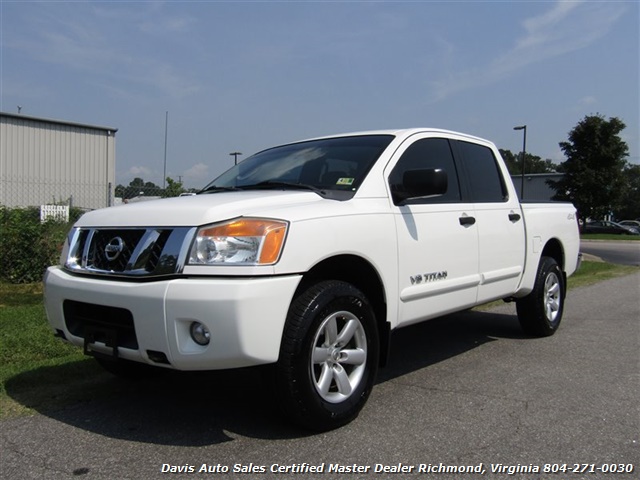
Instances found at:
x=166 y=130
x=524 y=152
x=235 y=157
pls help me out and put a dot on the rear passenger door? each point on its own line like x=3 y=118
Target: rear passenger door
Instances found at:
x=499 y=222
x=437 y=238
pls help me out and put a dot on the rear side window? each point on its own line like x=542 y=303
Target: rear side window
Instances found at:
x=428 y=153
x=485 y=180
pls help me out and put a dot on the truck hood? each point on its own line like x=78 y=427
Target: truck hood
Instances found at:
x=199 y=209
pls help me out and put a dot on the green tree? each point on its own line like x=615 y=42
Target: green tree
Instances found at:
x=151 y=189
x=532 y=163
x=630 y=206
x=594 y=179
x=138 y=187
x=173 y=188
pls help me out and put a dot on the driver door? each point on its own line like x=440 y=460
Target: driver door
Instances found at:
x=437 y=237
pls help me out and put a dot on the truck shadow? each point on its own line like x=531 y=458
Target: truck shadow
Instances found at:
x=425 y=344
x=207 y=408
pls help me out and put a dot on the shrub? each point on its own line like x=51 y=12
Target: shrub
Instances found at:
x=27 y=246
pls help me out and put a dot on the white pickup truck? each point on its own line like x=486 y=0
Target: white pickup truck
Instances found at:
x=307 y=256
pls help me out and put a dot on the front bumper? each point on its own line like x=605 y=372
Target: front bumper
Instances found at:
x=245 y=316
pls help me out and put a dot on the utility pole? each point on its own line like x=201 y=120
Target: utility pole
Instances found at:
x=235 y=157
x=524 y=149
x=166 y=129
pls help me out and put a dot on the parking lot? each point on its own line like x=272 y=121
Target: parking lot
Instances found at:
x=466 y=392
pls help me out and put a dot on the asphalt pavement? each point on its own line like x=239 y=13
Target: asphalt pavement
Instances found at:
x=619 y=252
x=467 y=392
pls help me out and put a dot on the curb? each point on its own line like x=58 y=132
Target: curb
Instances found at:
x=587 y=257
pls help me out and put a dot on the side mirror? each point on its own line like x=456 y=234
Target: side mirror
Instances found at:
x=421 y=184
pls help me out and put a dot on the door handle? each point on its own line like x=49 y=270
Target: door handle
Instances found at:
x=466 y=221
x=514 y=217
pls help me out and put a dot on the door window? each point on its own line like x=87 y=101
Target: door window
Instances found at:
x=485 y=181
x=424 y=154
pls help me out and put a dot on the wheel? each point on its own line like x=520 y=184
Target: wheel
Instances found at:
x=328 y=356
x=540 y=312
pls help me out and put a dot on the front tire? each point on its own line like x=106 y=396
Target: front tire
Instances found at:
x=328 y=357
x=541 y=311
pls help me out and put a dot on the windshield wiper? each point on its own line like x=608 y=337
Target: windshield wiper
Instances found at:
x=277 y=184
x=267 y=184
x=216 y=188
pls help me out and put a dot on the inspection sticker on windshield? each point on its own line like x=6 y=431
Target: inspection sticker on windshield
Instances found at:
x=345 y=181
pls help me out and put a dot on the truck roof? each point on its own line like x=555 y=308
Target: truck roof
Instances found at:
x=400 y=132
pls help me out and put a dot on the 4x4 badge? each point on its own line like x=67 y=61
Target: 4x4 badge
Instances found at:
x=114 y=248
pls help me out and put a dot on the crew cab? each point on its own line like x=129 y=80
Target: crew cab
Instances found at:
x=307 y=256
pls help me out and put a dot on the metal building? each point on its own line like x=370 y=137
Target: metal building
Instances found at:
x=44 y=161
x=536 y=186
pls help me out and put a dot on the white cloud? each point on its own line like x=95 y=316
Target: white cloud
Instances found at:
x=588 y=100
x=151 y=19
x=541 y=27
x=166 y=25
x=86 y=41
x=568 y=26
x=199 y=173
x=139 y=171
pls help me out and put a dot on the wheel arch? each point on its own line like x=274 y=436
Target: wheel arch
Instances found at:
x=361 y=274
x=555 y=250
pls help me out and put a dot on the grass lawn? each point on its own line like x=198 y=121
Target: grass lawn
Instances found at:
x=39 y=372
x=594 y=272
x=610 y=236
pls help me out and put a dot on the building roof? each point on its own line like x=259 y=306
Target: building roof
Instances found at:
x=19 y=116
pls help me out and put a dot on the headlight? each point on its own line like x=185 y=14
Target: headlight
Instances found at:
x=244 y=241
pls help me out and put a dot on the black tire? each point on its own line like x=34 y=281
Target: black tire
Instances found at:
x=540 y=312
x=334 y=321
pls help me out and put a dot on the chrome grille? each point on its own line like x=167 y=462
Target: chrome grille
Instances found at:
x=117 y=261
x=136 y=252
x=156 y=250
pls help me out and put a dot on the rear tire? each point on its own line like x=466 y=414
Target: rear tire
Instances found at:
x=541 y=311
x=328 y=357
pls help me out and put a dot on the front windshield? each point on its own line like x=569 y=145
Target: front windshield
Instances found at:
x=327 y=165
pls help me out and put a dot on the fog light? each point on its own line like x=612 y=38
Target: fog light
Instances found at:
x=200 y=333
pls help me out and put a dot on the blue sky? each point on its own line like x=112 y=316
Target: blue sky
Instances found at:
x=243 y=76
